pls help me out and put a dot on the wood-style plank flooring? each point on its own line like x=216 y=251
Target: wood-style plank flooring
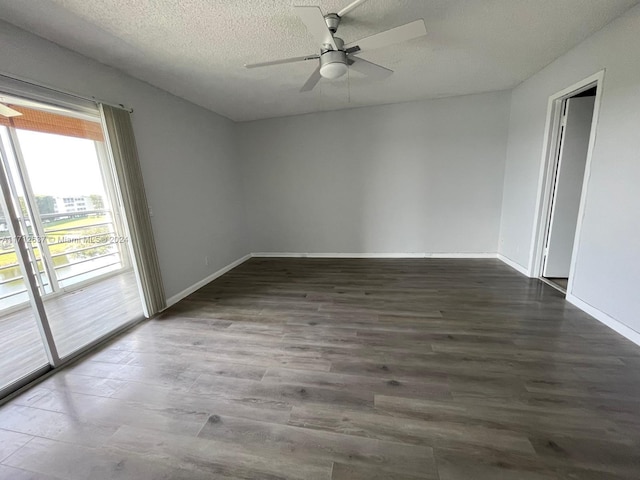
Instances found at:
x=343 y=369
x=561 y=282
x=76 y=318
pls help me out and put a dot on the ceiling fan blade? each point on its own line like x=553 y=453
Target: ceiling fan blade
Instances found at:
x=8 y=112
x=314 y=20
x=389 y=37
x=351 y=6
x=280 y=62
x=312 y=81
x=369 y=69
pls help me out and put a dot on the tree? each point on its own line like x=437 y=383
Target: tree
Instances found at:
x=97 y=201
x=46 y=204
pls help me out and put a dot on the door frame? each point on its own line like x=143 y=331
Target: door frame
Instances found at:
x=548 y=170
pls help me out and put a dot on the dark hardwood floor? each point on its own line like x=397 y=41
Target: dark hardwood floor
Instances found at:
x=343 y=369
x=563 y=283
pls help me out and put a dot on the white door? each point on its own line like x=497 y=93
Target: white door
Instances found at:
x=568 y=187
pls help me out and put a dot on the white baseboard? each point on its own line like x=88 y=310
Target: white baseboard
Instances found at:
x=188 y=291
x=599 y=315
x=602 y=317
x=514 y=265
x=371 y=255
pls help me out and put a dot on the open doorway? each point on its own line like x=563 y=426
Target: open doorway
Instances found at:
x=573 y=114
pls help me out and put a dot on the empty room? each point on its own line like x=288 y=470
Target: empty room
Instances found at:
x=320 y=239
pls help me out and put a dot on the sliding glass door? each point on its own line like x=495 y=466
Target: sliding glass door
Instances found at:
x=22 y=351
x=61 y=213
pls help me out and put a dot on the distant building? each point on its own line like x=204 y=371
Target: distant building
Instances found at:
x=73 y=204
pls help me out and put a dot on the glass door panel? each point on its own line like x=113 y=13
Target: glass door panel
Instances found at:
x=22 y=350
x=73 y=204
x=26 y=215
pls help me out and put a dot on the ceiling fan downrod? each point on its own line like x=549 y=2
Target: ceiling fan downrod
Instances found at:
x=333 y=22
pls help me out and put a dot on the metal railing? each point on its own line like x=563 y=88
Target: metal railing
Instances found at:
x=66 y=261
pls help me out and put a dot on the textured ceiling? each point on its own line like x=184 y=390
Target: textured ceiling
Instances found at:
x=196 y=49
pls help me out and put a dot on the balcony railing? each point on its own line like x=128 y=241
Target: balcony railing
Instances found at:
x=80 y=246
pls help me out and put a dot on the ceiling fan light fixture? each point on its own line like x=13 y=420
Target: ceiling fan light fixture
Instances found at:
x=333 y=64
x=333 y=70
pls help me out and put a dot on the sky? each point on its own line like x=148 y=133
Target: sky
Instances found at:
x=60 y=166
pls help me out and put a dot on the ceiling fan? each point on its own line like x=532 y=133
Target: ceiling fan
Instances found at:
x=335 y=57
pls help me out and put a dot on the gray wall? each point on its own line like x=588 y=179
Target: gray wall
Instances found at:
x=607 y=272
x=188 y=156
x=421 y=177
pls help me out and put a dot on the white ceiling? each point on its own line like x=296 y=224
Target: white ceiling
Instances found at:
x=196 y=49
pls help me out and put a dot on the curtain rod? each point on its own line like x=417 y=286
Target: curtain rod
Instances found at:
x=64 y=92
